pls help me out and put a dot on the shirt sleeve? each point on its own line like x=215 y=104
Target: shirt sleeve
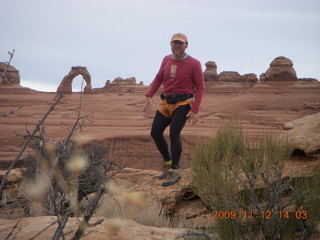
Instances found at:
x=199 y=87
x=156 y=83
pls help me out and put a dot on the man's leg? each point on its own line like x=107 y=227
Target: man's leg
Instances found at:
x=159 y=124
x=178 y=121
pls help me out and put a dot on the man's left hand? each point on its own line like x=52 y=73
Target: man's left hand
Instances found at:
x=193 y=118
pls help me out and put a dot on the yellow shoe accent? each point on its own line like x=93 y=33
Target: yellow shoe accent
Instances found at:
x=168 y=163
x=174 y=170
x=165 y=170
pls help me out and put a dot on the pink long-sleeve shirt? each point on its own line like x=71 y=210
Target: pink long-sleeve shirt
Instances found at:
x=180 y=76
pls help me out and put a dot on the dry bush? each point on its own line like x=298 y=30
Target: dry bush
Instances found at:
x=122 y=204
x=231 y=174
x=58 y=175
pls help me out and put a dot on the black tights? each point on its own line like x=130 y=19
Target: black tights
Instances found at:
x=177 y=122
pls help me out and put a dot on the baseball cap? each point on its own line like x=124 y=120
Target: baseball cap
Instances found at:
x=179 y=37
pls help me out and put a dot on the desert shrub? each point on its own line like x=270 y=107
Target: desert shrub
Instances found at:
x=306 y=192
x=58 y=175
x=216 y=181
x=232 y=174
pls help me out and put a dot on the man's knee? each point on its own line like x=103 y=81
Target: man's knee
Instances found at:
x=155 y=134
x=175 y=137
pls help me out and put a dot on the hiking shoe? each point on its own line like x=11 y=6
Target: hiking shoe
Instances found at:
x=164 y=174
x=173 y=177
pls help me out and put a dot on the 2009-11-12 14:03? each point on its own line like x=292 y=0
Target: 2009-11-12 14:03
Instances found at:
x=232 y=214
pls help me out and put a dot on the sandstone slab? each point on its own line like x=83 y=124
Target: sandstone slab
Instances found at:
x=145 y=181
x=304 y=134
x=109 y=229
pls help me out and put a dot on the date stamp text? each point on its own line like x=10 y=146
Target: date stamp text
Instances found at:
x=232 y=214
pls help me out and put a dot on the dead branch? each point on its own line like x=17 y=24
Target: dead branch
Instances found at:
x=43 y=230
x=190 y=233
x=16 y=234
x=62 y=224
x=4 y=179
x=13 y=228
x=8 y=64
x=88 y=214
x=85 y=222
x=78 y=125
x=11 y=112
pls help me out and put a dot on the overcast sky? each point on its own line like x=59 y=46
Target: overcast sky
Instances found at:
x=129 y=38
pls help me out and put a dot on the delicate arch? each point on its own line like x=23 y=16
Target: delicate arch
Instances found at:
x=66 y=83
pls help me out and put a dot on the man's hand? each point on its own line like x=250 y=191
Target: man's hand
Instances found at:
x=148 y=104
x=192 y=117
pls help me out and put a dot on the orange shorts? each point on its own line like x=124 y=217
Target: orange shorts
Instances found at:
x=168 y=109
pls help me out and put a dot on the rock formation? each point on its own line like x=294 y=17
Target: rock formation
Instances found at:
x=121 y=85
x=304 y=134
x=262 y=77
x=120 y=125
x=210 y=74
x=229 y=76
x=313 y=105
x=281 y=69
x=66 y=83
x=307 y=79
x=11 y=76
x=109 y=229
x=249 y=77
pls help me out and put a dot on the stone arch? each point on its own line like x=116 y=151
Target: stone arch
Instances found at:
x=66 y=83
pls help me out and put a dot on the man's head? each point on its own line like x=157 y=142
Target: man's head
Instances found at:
x=179 y=37
x=179 y=43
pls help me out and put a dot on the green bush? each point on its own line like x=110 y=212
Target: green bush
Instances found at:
x=232 y=174
x=306 y=192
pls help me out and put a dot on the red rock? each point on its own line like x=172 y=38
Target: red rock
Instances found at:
x=12 y=75
x=229 y=76
x=249 y=77
x=66 y=83
x=304 y=134
x=121 y=85
x=281 y=69
x=210 y=74
x=126 y=229
x=118 y=121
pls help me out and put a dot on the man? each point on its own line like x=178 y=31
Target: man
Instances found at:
x=183 y=87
